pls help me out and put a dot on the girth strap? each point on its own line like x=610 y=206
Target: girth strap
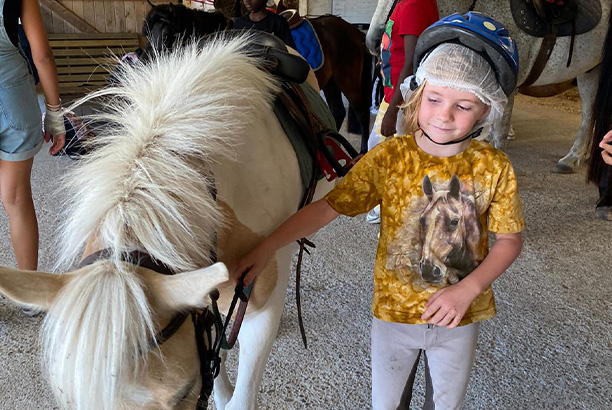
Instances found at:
x=546 y=48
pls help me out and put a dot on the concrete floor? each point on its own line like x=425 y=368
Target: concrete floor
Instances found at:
x=550 y=347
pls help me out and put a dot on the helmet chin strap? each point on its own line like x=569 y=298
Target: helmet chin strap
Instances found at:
x=472 y=135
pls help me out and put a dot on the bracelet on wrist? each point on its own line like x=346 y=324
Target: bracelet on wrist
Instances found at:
x=53 y=107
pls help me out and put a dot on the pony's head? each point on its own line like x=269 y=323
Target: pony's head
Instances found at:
x=449 y=233
x=168 y=25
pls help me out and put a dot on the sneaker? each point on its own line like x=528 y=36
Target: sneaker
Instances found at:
x=31 y=311
x=373 y=217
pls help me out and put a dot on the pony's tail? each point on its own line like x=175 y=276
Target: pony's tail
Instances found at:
x=101 y=321
x=602 y=112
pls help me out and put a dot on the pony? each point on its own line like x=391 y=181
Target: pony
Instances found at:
x=186 y=168
x=599 y=172
x=167 y=25
x=585 y=64
x=346 y=69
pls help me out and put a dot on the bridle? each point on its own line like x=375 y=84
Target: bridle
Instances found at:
x=206 y=322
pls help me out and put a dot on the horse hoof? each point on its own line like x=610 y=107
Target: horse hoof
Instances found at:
x=604 y=212
x=563 y=169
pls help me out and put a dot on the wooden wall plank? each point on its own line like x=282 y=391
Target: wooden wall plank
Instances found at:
x=95 y=15
x=141 y=9
x=99 y=16
x=130 y=18
x=78 y=9
x=68 y=28
x=120 y=16
x=109 y=16
x=64 y=13
x=58 y=23
x=89 y=13
x=47 y=19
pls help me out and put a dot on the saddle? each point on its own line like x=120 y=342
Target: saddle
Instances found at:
x=279 y=61
x=535 y=16
x=293 y=18
x=305 y=37
x=550 y=19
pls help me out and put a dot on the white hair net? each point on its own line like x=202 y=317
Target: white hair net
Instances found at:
x=459 y=67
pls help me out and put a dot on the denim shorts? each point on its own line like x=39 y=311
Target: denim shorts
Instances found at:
x=20 y=120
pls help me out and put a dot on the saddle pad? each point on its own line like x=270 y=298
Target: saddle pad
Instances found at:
x=308 y=44
x=526 y=18
x=297 y=136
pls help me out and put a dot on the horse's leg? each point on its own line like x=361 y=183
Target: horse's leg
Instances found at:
x=224 y=390
x=256 y=337
x=360 y=103
x=587 y=88
x=335 y=103
x=499 y=130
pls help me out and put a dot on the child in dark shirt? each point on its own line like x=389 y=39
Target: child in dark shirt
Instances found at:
x=259 y=18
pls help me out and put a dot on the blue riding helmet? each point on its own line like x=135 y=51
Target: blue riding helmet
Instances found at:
x=486 y=36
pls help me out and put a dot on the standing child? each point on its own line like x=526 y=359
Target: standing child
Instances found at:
x=441 y=192
x=260 y=18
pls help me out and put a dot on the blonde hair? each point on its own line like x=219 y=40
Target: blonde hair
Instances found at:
x=411 y=109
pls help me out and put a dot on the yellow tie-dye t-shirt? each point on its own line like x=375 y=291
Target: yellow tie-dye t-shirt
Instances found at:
x=436 y=213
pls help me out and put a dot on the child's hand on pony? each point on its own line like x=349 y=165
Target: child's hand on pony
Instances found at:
x=606 y=146
x=447 y=306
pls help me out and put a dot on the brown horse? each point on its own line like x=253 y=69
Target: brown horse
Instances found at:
x=347 y=63
x=347 y=69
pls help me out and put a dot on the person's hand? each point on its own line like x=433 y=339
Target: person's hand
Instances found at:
x=606 y=146
x=54 y=125
x=253 y=262
x=389 y=123
x=58 y=142
x=447 y=306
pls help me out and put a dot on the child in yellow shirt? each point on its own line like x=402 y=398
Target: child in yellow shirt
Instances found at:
x=440 y=193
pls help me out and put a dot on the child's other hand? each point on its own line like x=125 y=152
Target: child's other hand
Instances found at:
x=253 y=262
x=448 y=305
x=606 y=145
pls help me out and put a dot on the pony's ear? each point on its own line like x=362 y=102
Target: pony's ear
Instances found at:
x=427 y=187
x=151 y=4
x=31 y=288
x=188 y=290
x=455 y=187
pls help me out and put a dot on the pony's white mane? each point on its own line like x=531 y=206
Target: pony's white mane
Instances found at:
x=142 y=187
x=145 y=186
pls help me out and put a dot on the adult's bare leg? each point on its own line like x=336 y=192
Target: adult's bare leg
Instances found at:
x=16 y=193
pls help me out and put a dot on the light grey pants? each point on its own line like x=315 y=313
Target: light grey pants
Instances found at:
x=396 y=348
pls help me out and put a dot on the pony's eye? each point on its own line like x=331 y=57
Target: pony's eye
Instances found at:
x=454 y=223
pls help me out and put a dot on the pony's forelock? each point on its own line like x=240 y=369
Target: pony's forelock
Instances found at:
x=101 y=321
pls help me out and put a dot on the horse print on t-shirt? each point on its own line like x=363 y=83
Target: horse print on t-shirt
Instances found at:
x=439 y=237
